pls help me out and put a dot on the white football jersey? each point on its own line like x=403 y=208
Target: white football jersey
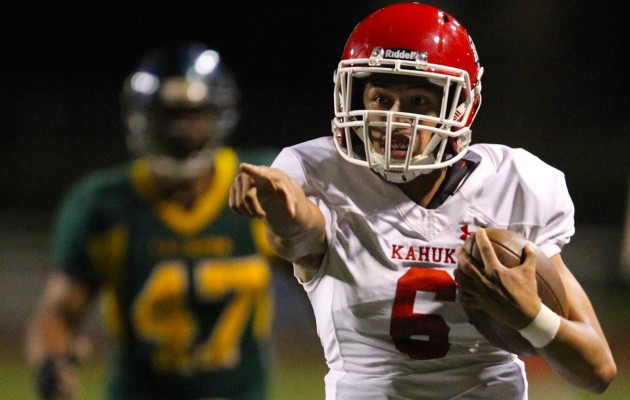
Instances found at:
x=385 y=299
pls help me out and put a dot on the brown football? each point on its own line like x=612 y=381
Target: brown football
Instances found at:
x=508 y=246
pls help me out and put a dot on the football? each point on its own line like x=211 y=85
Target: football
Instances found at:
x=508 y=245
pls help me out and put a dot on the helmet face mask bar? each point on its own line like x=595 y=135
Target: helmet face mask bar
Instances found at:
x=445 y=137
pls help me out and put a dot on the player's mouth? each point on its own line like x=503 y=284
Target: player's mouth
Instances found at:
x=400 y=143
x=399 y=147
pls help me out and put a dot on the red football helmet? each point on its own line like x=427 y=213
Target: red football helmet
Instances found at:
x=415 y=42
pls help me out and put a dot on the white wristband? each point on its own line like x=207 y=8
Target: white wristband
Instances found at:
x=541 y=331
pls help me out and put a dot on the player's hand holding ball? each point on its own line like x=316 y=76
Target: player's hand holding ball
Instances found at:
x=503 y=282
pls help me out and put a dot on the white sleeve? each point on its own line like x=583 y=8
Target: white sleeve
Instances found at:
x=560 y=225
x=551 y=218
x=521 y=192
x=288 y=161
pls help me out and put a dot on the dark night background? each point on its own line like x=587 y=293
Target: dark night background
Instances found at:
x=555 y=82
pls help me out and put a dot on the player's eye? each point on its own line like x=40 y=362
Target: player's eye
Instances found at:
x=383 y=101
x=420 y=101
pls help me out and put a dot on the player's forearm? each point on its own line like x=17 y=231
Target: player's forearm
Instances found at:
x=48 y=335
x=298 y=236
x=579 y=357
x=580 y=353
x=58 y=318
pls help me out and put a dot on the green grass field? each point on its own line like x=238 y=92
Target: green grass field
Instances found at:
x=297 y=376
x=304 y=381
x=300 y=368
x=291 y=382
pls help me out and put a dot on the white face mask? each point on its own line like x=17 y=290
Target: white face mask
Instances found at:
x=449 y=128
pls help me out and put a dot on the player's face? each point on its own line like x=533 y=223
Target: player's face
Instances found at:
x=406 y=97
x=183 y=132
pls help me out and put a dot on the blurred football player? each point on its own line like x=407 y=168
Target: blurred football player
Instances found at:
x=186 y=282
x=374 y=216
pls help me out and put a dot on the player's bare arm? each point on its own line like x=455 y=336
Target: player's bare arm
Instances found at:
x=53 y=350
x=579 y=353
x=295 y=226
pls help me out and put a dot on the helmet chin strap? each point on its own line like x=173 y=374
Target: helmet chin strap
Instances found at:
x=406 y=176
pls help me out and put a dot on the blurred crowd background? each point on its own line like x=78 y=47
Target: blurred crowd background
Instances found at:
x=555 y=82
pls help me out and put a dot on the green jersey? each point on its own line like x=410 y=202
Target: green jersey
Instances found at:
x=187 y=291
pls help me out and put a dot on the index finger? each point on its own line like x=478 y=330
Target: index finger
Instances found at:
x=258 y=173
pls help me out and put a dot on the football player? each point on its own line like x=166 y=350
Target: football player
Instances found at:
x=374 y=217
x=185 y=282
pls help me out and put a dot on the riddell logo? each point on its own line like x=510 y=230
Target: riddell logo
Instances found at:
x=401 y=54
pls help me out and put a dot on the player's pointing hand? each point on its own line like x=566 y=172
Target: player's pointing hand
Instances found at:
x=260 y=191
x=294 y=224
